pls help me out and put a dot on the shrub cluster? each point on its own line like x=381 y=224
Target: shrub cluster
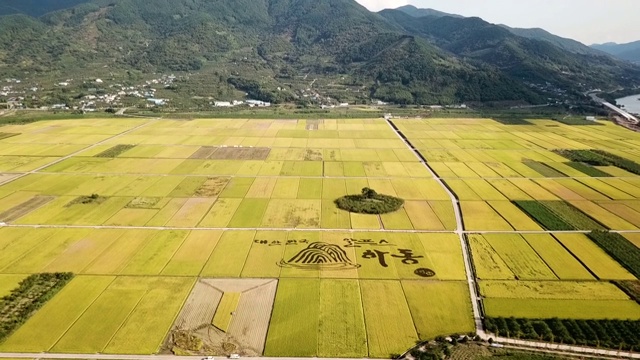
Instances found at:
x=615 y=334
x=619 y=248
x=369 y=202
x=32 y=293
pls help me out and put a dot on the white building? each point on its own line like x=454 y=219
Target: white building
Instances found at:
x=258 y=103
x=222 y=104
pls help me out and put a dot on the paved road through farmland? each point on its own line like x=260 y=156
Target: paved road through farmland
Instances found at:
x=191 y=228
x=466 y=253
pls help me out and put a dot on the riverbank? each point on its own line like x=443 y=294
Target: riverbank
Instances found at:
x=630 y=103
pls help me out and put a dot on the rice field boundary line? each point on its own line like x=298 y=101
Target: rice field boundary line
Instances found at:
x=406 y=231
x=466 y=251
x=59 y=160
x=327 y=177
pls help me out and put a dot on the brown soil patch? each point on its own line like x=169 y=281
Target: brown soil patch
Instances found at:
x=212 y=187
x=7 y=177
x=23 y=209
x=248 y=330
x=240 y=154
x=203 y=153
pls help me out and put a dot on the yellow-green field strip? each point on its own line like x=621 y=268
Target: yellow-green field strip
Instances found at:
x=306 y=229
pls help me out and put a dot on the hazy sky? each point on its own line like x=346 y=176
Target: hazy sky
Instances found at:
x=588 y=21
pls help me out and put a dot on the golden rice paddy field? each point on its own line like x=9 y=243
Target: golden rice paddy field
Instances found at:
x=227 y=230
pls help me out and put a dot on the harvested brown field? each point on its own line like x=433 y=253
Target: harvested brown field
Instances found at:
x=259 y=153
x=212 y=187
x=23 y=209
x=199 y=308
x=247 y=332
x=6 y=177
x=203 y=153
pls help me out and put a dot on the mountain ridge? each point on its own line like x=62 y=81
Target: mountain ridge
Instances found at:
x=628 y=51
x=259 y=47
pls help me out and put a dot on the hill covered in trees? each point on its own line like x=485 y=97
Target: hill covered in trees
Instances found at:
x=262 y=45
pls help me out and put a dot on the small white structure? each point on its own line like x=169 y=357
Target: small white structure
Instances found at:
x=158 y=102
x=221 y=104
x=99 y=81
x=258 y=103
x=591 y=118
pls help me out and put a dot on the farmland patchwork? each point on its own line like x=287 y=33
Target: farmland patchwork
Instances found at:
x=223 y=236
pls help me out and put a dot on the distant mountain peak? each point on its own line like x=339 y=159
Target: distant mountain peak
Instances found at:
x=629 y=51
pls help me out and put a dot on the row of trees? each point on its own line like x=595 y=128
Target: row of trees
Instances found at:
x=614 y=334
x=32 y=293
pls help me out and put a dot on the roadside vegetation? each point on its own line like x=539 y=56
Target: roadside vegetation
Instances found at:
x=369 y=202
x=32 y=293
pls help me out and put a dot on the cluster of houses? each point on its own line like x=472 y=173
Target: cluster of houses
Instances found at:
x=250 y=103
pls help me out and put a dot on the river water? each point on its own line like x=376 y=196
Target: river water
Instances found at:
x=631 y=103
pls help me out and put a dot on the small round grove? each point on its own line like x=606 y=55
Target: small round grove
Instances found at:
x=369 y=202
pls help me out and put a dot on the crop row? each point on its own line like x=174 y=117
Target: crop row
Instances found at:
x=558 y=215
x=32 y=293
x=544 y=215
x=615 y=334
x=619 y=248
x=600 y=158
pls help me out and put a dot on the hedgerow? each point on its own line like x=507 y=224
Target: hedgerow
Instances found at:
x=32 y=293
x=615 y=334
